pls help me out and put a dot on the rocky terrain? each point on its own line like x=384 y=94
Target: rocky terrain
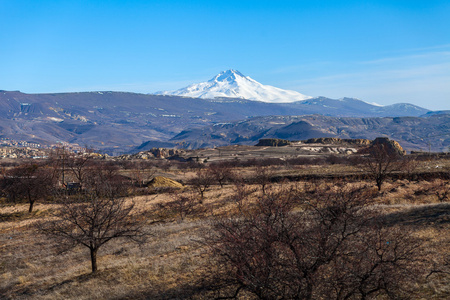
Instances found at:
x=117 y=122
x=428 y=133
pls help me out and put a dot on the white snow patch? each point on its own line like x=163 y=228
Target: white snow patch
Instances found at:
x=373 y=103
x=58 y=120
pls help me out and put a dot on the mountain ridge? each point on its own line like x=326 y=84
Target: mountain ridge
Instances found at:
x=413 y=133
x=117 y=122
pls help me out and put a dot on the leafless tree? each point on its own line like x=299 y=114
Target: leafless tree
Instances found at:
x=28 y=181
x=376 y=261
x=201 y=182
x=221 y=172
x=380 y=162
x=103 y=179
x=9 y=187
x=79 y=165
x=57 y=161
x=330 y=247
x=241 y=190
x=92 y=222
x=262 y=176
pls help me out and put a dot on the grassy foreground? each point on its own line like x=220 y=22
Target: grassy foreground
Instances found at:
x=175 y=263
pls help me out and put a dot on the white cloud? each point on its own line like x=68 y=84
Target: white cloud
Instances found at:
x=422 y=79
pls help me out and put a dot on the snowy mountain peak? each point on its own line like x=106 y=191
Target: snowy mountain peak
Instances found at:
x=229 y=75
x=233 y=84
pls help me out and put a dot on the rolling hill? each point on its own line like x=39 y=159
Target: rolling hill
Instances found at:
x=118 y=122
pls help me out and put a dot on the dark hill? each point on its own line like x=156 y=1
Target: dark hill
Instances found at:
x=413 y=133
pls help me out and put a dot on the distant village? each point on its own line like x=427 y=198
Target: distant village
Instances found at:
x=22 y=149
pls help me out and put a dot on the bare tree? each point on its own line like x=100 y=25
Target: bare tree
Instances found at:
x=241 y=190
x=201 y=182
x=221 y=172
x=57 y=161
x=376 y=261
x=79 y=165
x=103 y=179
x=409 y=164
x=9 y=186
x=263 y=176
x=380 y=162
x=330 y=247
x=92 y=222
x=29 y=181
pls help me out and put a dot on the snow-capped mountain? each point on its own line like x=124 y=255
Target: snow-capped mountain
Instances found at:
x=233 y=84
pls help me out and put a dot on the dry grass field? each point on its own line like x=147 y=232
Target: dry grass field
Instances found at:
x=175 y=262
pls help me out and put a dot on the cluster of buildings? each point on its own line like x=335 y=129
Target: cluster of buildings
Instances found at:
x=22 y=149
x=5 y=142
x=22 y=152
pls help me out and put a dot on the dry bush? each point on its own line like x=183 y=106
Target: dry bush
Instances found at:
x=442 y=191
x=428 y=191
x=221 y=172
x=182 y=205
x=333 y=248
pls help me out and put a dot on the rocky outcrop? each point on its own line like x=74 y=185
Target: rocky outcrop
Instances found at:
x=154 y=153
x=338 y=141
x=389 y=147
x=273 y=142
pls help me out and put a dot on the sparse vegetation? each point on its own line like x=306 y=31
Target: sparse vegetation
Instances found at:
x=322 y=230
x=326 y=244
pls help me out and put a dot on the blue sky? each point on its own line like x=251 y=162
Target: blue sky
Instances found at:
x=379 y=51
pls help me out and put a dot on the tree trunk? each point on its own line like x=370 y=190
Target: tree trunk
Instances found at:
x=379 y=183
x=201 y=195
x=30 y=200
x=93 y=259
x=30 y=208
